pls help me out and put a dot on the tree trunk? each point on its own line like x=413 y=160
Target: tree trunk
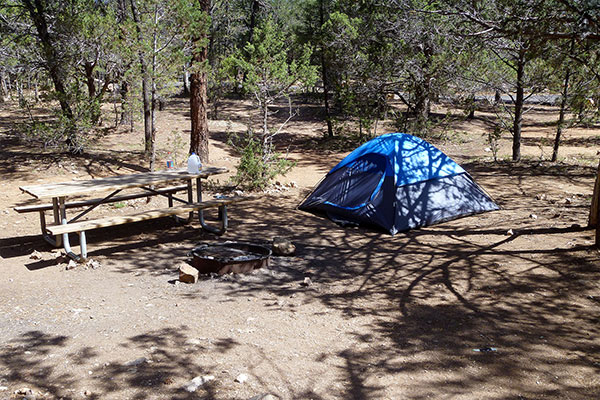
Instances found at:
x=251 y=26
x=186 y=83
x=519 y=103
x=253 y=16
x=125 y=116
x=53 y=64
x=36 y=90
x=472 y=107
x=561 y=115
x=497 y=97
x=123 y=92
x=89 y=78
x=3 y=87
x=265 y=112
x=324 y=76
x=198 y=88
x=153 y=99
x=595 y=207
x=145 y=83
x=20 y=95
x=563 y=106
x=422 y=106
x=423 y=90
x=265 y=132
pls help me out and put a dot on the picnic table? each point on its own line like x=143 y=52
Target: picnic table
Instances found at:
x=57 y=233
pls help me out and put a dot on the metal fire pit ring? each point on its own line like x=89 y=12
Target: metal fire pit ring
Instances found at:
x=229 y=257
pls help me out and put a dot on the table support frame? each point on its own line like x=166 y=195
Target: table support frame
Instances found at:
x=60 y=217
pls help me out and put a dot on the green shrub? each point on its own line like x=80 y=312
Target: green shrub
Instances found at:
x=258 y=165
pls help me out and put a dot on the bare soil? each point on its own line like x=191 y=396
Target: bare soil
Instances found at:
x=383 y=317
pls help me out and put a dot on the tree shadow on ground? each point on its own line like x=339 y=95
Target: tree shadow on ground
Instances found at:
x=431 y=296
x=160 y=239
x=48 y=364
x=22 y=360
x=590 y=141
x=436 y=294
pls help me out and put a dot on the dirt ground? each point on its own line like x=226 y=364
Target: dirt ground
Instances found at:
x=384 y=317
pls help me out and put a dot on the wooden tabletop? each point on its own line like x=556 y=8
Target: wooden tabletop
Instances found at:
x=74 y=188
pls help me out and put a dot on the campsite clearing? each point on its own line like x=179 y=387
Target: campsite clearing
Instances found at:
x=380 y=317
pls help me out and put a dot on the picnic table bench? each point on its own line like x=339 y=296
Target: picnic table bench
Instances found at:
x=58 y=232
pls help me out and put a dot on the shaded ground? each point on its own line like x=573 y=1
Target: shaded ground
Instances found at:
x=384 y=318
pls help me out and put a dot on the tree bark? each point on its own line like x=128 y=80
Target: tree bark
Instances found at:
x=186 y=83
x=20 y=95
x=125 y=114
x=563 y=106
x=561 y=115
x=265 y=115
x=497 y=97
x=253 y=15
x=55 y=69
x=89 y=78
x=54 y=66
x=36 y=91
x=324 y=76
x=595 y=207
x=422 y=106
x=198 y=91
x=3 y=88
x=423 y=90
x=519 y=103
x=471 y=107
x=154 y=98
x=145 y=83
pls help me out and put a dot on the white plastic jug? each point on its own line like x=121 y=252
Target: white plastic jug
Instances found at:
x=194 y=164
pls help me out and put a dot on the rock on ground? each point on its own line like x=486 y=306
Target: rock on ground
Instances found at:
x=198 y=381
x=187 y=273
x=71 y=265
x=266 y=396
x=136 y=362
x=283 y=247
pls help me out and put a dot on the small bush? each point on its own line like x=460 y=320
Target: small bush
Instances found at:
x=258 y=166
x=63 y=131
x=493 y=137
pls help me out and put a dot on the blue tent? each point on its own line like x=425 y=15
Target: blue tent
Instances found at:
x=397 y=182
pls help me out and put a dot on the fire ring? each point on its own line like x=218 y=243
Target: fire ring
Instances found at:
x=229 y=257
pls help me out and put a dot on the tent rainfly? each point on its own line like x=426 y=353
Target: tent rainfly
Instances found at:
x=397 y=182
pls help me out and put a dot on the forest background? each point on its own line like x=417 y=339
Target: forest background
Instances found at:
x=356 y=58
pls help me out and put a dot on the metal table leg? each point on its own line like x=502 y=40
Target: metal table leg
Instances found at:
x=222 y=213
x=190 y=200
x=82 y=245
